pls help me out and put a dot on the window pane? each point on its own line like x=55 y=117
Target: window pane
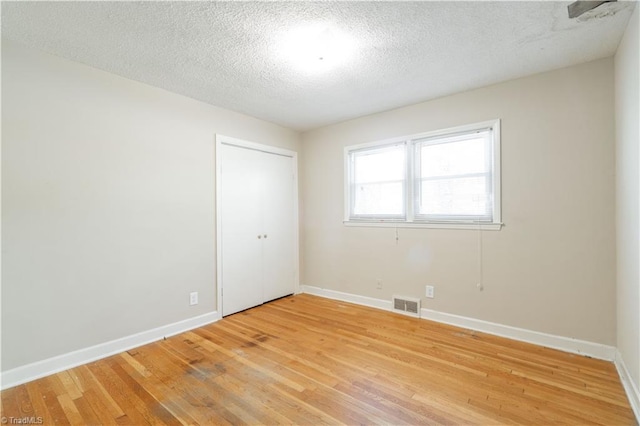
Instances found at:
x=378 y=181
x=378 y=199
x=455 y=197
x=454 y=158
x=380 y=165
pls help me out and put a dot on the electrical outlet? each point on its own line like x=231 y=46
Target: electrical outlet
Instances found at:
x=379 y=284
x=193 y=298
x=430 y=292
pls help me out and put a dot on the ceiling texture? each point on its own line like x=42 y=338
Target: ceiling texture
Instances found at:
x=238 y=55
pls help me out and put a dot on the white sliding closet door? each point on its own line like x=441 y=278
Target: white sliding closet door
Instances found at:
x=256 y=226
x=278 y=222
x=240 y=207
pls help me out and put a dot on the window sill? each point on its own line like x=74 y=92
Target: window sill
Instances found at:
x=427 y=225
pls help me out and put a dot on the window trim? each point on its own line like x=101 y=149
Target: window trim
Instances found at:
x=409 y=221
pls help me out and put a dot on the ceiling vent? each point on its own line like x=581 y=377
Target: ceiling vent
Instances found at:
x=406 y=305
x=582 y=6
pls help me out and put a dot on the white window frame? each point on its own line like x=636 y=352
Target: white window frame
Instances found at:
x=410 y=220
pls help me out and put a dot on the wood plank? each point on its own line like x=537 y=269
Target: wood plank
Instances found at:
x=118 y=391
x=98 y=397
x=70 y=409
x=57 y=415
x=11 y=407
x=39 y=408
x=87 y=413
x=69 y=385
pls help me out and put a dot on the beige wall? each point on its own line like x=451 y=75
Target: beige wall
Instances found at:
x=108 y=204
x=550 y=269
x=627 y=107
x=108 y=207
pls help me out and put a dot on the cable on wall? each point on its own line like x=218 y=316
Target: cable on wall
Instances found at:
x=480 y=283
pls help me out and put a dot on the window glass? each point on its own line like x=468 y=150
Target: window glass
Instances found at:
x=379 y=181
x=454 y=177
x=466 y=156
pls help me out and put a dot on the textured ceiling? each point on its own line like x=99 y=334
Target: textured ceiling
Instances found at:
x=233 y=54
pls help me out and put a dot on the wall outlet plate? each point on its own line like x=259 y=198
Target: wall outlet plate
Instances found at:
x=193 y=298
x=430 y=293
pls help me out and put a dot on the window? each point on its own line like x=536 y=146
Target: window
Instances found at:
x=449 y=178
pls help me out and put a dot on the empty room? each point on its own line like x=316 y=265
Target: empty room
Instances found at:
x=333 y=212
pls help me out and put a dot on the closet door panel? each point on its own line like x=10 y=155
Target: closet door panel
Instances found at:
x=278 y=218
x=242 y=189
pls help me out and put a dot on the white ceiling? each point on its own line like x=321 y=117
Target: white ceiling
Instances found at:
x=230 y=54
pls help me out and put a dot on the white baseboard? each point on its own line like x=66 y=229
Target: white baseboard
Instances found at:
x=347 y=297
x=46 y=367
x=566 y=344
x=630 y=387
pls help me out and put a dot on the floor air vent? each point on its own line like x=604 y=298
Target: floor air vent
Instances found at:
x=406 y=305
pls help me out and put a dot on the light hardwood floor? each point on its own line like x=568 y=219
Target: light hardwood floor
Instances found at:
x=308 y=360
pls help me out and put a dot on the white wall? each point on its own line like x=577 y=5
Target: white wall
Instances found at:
x=108 y=204
x=627 y=108
x=550 y=269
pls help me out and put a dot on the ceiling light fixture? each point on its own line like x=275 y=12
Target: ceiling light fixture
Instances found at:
x=315 y=48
